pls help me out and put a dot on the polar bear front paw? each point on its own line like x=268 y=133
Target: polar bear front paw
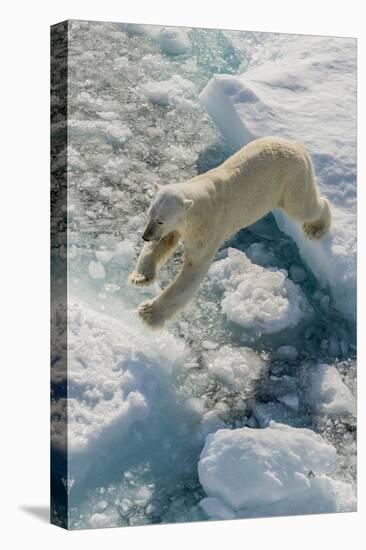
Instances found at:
x=139 y=279
x=151 y=314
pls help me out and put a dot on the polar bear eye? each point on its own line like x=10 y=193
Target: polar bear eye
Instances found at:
x=159 y=222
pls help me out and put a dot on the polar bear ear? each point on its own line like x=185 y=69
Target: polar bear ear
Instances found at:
x=187 y=204
x=156 y=187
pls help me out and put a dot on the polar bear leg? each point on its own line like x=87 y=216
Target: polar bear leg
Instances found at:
x=302 y=203
x=152 y=258
x=176 y=296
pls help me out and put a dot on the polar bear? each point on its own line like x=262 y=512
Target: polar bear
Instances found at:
x=205 y=211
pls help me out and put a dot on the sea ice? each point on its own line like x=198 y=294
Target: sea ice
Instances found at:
x=251 y=470
x=112 y=369
x=116 y=376
x=262 y=300
x=176 y=91
x=236 y=367
x=327 y=392
x=173 y=41
x=109 y=129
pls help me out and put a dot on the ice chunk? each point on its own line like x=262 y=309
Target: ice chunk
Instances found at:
x=96 y=270
x=210 y=422
x=110 y=372
x=174 y=41
x=263 y=300
x=209 y=344
x=104 y=256
x=107 y=519
x=175 y=91
x=251 y=469
x=105 y=128
x=237 y=367
x=310 y=96
x=328 y=393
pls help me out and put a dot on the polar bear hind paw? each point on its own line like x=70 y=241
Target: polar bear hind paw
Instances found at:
x=315 y=230
x=150 y=315
x=138 y=279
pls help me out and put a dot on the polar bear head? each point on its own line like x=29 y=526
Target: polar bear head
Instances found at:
x=166 y=212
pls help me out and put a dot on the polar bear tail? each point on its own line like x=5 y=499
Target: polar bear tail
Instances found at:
x=318 y=228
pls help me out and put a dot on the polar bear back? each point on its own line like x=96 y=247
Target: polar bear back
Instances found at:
x=268 y=173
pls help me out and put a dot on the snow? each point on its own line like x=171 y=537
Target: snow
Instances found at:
x=246 y=469
x=174 y=41
x=116 y=373
x=176 y=91
x=303 y=88
x=260 y=299
x=171 y=40
x=116 y=131
x=239 y=367
x=328 y=394
x=325 y=495
x=113 y=374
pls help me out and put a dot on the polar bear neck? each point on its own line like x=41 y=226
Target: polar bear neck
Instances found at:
x=201 y=227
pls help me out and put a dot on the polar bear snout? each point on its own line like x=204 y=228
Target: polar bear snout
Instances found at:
x=151 y=232
x=147 y=236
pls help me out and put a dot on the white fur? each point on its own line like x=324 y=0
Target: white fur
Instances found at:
x=205 y=211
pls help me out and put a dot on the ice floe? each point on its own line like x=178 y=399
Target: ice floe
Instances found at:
x=278 y=469
x=258 y=299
